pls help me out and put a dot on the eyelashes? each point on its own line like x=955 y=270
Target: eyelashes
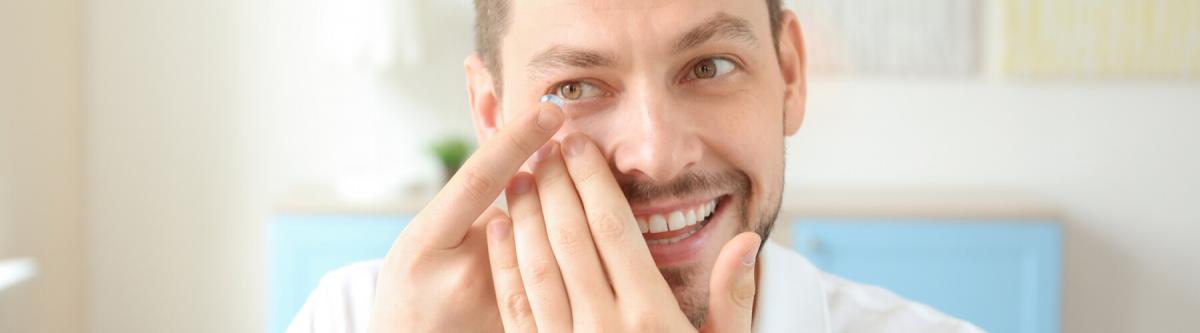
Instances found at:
x=707 y=68
x=576 y=90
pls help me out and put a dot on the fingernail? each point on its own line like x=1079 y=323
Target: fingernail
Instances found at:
x=544 y=152
x=498 y=230
x=574 y=145
x=751 y=256
x=550 y=118
x=520 y=184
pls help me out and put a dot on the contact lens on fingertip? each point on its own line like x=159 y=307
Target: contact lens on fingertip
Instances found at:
x=552 y=98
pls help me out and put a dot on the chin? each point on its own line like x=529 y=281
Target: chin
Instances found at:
x=685 y=256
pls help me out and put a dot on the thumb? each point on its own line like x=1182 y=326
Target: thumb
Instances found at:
x=732 y=288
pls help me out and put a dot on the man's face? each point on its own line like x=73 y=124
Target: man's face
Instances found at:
x=685 y=98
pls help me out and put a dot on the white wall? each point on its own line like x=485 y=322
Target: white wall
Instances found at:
x=41 y=168
x=201 y=113
x=1118 y=160
x=174 y=243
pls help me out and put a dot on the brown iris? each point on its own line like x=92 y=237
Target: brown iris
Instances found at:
x=705 y=69
x=571 y=90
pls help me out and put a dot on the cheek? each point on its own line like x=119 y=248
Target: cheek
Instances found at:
x=747 y=133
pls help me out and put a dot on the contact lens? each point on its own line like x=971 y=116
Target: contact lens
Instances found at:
x=552 y=98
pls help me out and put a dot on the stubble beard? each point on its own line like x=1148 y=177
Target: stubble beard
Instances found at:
x=690 y=283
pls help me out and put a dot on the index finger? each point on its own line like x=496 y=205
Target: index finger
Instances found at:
x=444 y=221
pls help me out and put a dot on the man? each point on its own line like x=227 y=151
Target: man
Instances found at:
x=656 y=173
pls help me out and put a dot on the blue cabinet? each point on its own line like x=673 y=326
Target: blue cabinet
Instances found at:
x=302 y=248
x=1002 y=275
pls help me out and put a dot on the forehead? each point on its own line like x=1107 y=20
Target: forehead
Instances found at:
x=617 y=26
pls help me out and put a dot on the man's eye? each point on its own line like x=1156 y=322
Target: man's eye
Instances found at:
x=576 y=90
x=710 y=68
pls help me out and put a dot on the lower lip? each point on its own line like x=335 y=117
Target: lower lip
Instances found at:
x=686 y=250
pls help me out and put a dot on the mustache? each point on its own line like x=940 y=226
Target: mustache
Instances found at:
x=643 y=192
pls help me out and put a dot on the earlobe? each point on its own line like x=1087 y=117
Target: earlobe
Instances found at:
x=481 y=93
x=792 y=64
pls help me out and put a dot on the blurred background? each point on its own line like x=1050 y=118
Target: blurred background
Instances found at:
x=164 y=165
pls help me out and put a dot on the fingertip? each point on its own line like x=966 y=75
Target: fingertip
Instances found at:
x=751 y=254
x=574 y=144
x=753 y=242
x=743 y=248
x=751 y=235
x=499 y=229
x=550 y=116
x=520 y=183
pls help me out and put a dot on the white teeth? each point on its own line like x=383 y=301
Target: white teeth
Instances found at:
x=675 y=221
x=658 y=223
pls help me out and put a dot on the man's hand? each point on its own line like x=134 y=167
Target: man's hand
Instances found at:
x=436 y=277
x=575 y=260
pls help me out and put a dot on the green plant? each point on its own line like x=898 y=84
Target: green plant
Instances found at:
x=452 y=152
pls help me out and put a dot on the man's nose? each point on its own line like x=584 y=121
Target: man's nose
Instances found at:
x=656 y=141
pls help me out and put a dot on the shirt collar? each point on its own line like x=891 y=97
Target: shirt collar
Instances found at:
x=790 y=295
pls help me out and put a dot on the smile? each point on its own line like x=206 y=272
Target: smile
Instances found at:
x=678 y=232
x=676 y=225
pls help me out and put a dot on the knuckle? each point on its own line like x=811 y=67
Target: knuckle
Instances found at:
x=504 y=264
x=410 y=268
x=516 y=143
x=609 y=227
x=463 y=279
x=743 y=294
x=570 y=242
x=399 y=268
x=478 y=185
x=586 y=174
x=517 y=305
x=537 y=274
x=411 y=265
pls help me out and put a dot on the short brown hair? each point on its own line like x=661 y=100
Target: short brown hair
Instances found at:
x=491 y=19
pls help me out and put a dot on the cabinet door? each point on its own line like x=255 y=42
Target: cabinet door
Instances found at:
x=1000 y=275
x=302 y=248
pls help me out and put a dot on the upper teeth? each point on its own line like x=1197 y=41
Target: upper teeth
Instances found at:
x=676 y=220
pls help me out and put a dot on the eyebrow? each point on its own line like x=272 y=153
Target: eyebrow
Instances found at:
x=563 y=56
x=721 y=25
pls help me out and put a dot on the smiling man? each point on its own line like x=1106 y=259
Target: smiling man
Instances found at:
x=639 y=190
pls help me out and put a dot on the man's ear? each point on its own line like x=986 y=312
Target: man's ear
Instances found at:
x=481 y=91
x=791 y=64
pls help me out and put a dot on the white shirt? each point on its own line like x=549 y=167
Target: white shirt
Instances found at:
x=793 y=296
